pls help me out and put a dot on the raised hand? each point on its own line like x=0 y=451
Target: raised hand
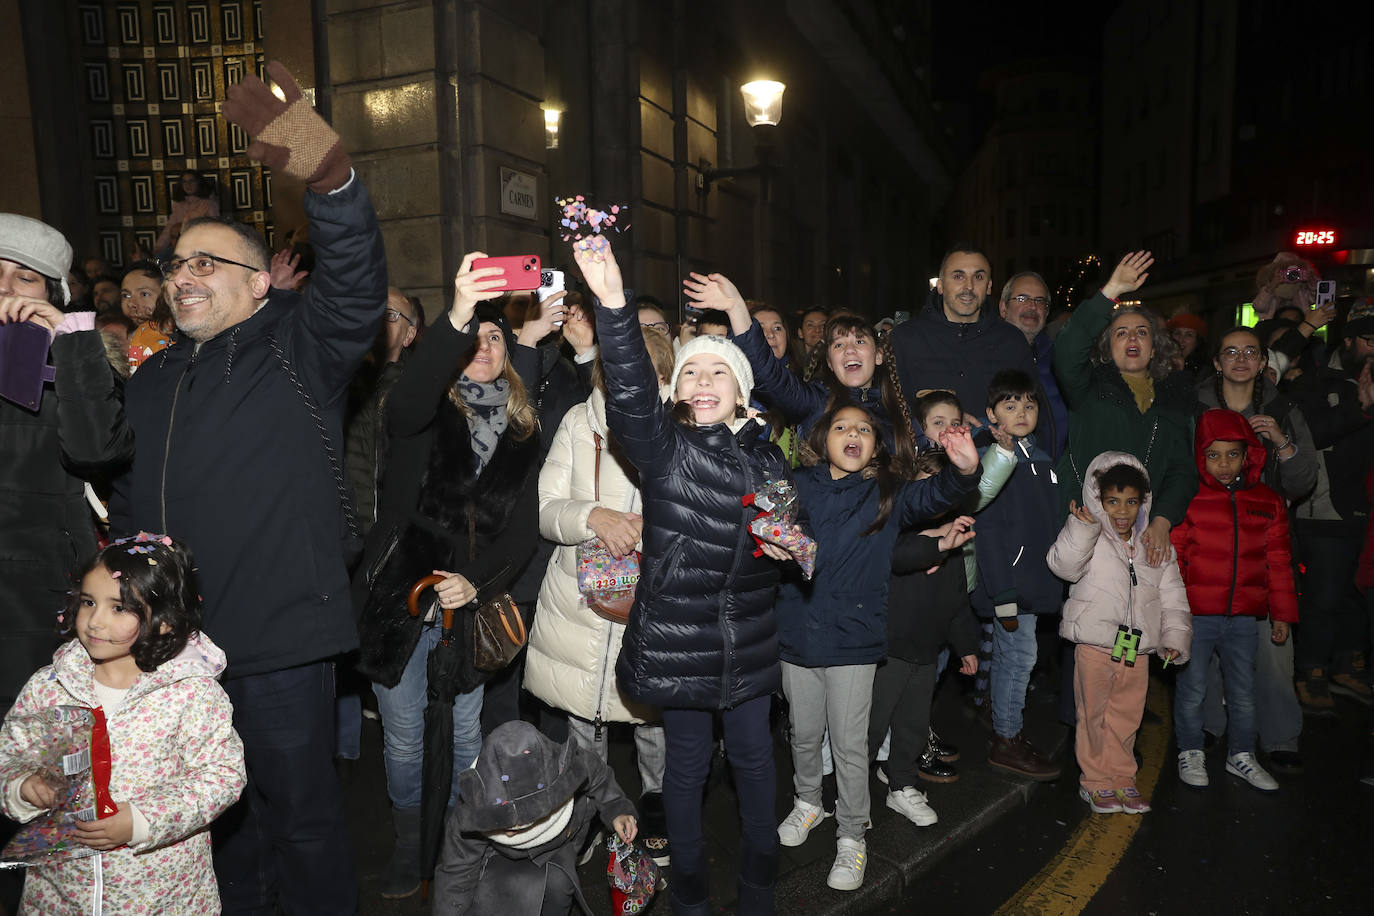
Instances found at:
x=958 y=445
x=1002 y=437
x=599 y=268
x=552 y=314
x=715 y=291
x=578 y=330
x=283 y=270
x=1082 y=513
x=1129 y=275
x=473 y=286
x=288 y=136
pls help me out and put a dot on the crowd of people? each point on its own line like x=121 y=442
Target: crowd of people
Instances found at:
x=219 y=522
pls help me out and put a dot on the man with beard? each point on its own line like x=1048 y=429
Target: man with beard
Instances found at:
x=955 y=342
x=1333 y=630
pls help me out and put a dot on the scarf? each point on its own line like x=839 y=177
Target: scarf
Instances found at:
x=486 y=403
x=1142 y=389
x=538 y=833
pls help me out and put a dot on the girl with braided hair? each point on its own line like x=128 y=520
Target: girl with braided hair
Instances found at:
x=854 y=370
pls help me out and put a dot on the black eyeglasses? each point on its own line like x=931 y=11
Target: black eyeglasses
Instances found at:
x=395 y=315
x=1022 y=298
x=200 y=265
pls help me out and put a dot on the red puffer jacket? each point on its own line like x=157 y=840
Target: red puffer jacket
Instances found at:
x=1233 y=544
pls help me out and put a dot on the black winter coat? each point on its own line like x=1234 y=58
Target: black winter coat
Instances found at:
x=231 y=462
x=927 y=610
x=701 y=634
x=422 y=523
x=45 y=523
x=934 y=352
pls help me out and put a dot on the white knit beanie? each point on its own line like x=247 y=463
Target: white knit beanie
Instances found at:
x=718 y=346
x=37 y=246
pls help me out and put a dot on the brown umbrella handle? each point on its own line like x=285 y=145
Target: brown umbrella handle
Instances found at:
x=413 y=599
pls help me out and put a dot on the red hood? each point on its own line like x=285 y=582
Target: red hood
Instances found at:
x=1232 y=427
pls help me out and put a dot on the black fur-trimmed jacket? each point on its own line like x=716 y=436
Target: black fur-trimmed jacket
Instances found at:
x=422 y=518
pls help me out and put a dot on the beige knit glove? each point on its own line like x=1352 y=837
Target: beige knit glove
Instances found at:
x=288 y=136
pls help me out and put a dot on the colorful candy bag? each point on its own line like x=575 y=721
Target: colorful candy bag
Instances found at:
x=776 y=523
x=633 y=875
x=606 y=583
x=73 y=758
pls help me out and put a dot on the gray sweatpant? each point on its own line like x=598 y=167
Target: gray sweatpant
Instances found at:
x=840 y=697
x=650 y=751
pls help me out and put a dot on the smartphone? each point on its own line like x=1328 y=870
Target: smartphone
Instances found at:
x=521 y=271
x=550 y=282
x=1326 y=292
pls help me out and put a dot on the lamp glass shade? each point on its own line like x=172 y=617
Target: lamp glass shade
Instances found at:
x=762 y=102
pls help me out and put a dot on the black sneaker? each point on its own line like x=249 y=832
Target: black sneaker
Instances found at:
x=933 y=769
x=653 y=827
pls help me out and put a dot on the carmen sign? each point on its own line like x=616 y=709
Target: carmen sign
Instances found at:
x=518 y=190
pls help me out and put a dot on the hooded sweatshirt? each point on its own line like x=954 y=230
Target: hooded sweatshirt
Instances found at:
x=1110 y=584
x=1233 y=547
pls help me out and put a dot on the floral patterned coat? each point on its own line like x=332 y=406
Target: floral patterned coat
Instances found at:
x=175 y=756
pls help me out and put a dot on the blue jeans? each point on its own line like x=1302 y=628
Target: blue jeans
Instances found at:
x=1278 y=717
x=403 y=727
x=1234 y=639
x=283 y=847
x=1013 y=658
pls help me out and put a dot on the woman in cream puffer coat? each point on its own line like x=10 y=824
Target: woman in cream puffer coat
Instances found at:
x=570 y=660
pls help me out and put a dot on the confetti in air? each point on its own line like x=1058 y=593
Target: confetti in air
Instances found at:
x=580 y=221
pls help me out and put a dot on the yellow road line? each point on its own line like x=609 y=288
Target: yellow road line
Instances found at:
x=1069 y=880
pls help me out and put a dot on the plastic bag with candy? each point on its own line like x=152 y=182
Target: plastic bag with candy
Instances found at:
x=776 y=523
x=73 y=757
x=633 y=876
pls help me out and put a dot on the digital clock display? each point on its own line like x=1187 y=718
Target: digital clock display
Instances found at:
x=1315 y=237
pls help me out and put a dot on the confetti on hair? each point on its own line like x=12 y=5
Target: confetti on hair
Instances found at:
x=115 y=574
x=580 y=221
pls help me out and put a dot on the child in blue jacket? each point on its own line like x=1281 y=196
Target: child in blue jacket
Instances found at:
x=1015 y=531
x=832 y=631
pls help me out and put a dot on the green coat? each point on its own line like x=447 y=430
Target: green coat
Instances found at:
x=1103 y=417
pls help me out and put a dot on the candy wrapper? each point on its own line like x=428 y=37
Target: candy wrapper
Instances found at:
x=633 y=876
x=776 y=523
x=74 y=758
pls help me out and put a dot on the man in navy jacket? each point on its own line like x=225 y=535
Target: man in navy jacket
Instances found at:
x=1025 y=305
x=239 y=438
x=956 y=341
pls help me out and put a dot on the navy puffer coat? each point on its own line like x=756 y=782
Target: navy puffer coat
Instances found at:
x=701 y=634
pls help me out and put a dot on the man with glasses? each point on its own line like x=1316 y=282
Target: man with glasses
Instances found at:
x=1026 y=306
x=238 y=425
x=1337 y=400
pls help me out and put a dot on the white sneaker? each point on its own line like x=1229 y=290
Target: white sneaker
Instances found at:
x=912 y=805
x=796 y=827
x=851 y=856
x=1247 y=768
x=1192 y=769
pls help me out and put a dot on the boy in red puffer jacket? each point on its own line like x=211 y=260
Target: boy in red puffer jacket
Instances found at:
x=1233 y=551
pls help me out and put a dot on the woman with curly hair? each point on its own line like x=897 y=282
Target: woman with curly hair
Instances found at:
x=1113 y=362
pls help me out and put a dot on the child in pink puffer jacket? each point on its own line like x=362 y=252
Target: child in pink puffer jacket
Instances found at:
x=176 y=761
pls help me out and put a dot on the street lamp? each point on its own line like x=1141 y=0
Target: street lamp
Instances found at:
x=763 y=111
x=551 y=116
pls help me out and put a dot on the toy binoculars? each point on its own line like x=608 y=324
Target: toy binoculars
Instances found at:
x=1126 y=646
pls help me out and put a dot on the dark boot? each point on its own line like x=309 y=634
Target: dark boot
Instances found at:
x=1017 y=755
x=688 y=894
x=758 y=873
x=402 y=876
x=755 y=900
x=933 y=769
x=947 y=752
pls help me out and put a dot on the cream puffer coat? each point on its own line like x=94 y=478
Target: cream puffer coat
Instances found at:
x=1099 y=565
x=570 y=661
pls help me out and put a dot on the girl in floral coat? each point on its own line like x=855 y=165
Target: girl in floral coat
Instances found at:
x=176 y=762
